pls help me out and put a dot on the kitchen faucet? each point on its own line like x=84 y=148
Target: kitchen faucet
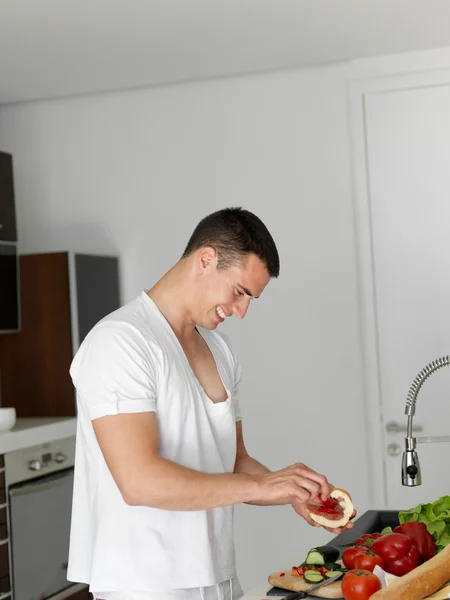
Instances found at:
x=411 y=474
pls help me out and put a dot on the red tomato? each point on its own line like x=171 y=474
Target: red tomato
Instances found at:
x=359 y=585
x=367 y=539
x=349 y=554
x=367 y=559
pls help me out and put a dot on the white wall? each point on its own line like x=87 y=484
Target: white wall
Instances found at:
x=133 y=172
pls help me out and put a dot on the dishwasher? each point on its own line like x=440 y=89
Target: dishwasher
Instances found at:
x=39 y=484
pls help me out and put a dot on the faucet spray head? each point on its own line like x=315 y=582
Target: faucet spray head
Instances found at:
x=411 y=473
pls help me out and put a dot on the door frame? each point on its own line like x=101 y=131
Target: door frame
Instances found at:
x=436 y=75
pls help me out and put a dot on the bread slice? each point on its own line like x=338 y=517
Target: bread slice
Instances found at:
x=339 y=501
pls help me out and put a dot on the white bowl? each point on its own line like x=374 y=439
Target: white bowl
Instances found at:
x=7 y=418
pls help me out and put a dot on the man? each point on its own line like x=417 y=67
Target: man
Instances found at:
x=160 y=457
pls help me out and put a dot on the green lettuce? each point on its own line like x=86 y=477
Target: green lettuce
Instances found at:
x=435 y=515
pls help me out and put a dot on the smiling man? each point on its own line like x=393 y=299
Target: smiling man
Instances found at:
x=160 y=458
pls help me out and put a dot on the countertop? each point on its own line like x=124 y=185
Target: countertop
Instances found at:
x=368 y=522
x=260 y=591
x=35 y=431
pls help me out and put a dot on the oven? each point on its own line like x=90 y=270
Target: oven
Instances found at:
x=39 y=483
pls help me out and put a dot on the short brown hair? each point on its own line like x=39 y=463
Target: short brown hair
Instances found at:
x=235 y=233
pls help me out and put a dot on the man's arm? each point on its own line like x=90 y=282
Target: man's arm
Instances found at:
x=246 y=464
x=130 y=443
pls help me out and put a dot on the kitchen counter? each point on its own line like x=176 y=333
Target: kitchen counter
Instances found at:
x=259 y=591
x=35 y=431
x=368 y=522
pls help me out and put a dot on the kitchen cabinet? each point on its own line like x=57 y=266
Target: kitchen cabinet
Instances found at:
x=8 y=228
x=63 y=295
x=80 y=594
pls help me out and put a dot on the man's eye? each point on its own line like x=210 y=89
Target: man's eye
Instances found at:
x=238 y=292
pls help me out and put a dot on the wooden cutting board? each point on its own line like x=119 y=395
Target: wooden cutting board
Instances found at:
x=298 y=584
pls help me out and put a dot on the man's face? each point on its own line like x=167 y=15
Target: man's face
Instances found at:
x=230 y=291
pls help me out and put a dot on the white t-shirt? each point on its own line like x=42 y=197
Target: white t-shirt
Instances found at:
x=132 y=362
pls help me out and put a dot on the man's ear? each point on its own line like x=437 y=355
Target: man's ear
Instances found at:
x=207 y=257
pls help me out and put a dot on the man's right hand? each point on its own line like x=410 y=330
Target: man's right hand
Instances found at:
x=297 y=484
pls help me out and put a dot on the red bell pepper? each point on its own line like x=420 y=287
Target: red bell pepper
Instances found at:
x=399 y=553
x=422 y=540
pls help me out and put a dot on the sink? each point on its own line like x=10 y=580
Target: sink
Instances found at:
x=369 y=522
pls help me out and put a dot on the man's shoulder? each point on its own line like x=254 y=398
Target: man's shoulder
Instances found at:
x=128 y=328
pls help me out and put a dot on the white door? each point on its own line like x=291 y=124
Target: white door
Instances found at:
x=408 y=182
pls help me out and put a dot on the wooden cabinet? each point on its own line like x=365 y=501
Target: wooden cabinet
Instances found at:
x=63 y=295
x=8 y=228
x=79 y=594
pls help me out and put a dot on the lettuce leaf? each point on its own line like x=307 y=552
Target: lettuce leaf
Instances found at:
x=435 y=515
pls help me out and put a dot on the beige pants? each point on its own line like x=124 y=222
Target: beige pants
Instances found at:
x=226 y=590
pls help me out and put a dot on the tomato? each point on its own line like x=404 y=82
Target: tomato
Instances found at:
x=367 y=559
x=349 y=554
x=360 y=585
x=367 y=539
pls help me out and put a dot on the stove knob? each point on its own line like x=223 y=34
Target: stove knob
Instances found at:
x=60 y=457
x=34 y=465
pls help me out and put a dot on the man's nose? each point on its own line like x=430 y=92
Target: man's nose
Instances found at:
x=241 y=307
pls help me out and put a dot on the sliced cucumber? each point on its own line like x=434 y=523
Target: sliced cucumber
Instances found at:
x=311 y=576
x=329 y=574
x=322 y=555
x=333 y=566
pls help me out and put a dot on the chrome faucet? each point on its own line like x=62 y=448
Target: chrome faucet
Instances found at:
x=411 y=474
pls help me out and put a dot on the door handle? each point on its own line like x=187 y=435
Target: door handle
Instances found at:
x=394 y=427
x=394 y=450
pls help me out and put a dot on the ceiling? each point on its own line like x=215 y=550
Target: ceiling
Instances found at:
x=51 y=48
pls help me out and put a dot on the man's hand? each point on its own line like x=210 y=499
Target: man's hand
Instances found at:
x=300 y=509
x=297 y=483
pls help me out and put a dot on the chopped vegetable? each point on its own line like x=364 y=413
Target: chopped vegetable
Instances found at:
x=333 y=566
x=313 y=576
x=330 y=574
x=322 y=555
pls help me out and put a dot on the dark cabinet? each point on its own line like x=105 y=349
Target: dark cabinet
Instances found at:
x=9 y=288
x=79 y=593
x=8 y=228
x=5 y=584
x=63 y=295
